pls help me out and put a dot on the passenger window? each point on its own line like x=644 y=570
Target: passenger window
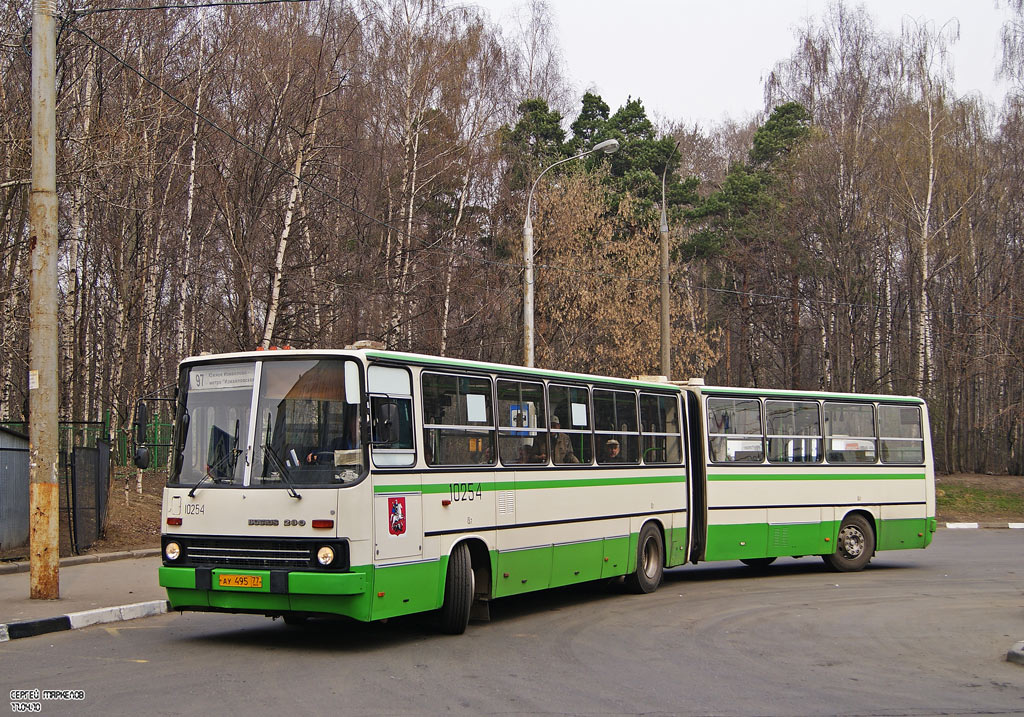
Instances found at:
x=659 y=423
x=734 y=430
x=522 y=438
x=571 y=439
x=794 y=431
x=615 y=420
x=458 y=420
x=901 y=436
x=849 y=432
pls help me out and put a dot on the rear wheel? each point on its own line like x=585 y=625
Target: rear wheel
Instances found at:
x=650 y=561
x=855 y=545
x=458 y=591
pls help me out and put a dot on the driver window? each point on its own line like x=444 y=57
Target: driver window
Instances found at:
x=390 y=385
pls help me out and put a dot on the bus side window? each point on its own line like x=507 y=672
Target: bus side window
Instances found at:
x=849 y=432
x=734 y=430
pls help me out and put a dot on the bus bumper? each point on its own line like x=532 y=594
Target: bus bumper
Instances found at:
x=266 y=591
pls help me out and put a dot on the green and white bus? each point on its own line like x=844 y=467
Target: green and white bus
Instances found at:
x=371 y=484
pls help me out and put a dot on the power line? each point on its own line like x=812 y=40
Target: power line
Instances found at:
x=255 y=152
x=481 y=260
x=82 y=12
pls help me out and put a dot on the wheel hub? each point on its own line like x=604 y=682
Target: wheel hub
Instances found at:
x=851 y=541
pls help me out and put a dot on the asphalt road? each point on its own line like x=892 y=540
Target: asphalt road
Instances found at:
x=918 y=632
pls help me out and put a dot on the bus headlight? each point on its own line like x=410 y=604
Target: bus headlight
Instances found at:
x=325 y=555
x=172 y=551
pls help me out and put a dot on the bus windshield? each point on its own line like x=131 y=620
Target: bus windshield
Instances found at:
x=307 y=420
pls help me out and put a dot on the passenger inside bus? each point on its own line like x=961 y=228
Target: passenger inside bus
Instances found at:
x=611 y=451
x=563 y=452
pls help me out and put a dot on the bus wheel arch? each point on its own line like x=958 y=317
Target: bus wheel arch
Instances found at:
x=855 y=543
x=650 y=559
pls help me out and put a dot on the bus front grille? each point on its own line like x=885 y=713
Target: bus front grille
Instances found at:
x=256 y=553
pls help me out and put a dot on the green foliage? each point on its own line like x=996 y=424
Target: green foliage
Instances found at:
x=536 y=141
x=736 y=214
x=642 y=158
x=788 y=125
x=591 y=123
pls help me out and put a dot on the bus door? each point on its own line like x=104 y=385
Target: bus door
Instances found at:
x=397 y=497
x=696 y=479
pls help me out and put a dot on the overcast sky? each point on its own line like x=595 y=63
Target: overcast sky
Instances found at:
x=702 y=60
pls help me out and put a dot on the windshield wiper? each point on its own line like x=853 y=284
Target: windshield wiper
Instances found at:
x=282 y=468
x=231 y=455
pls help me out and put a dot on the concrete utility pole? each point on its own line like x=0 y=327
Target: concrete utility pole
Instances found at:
x=42 y=338
x=666 y=299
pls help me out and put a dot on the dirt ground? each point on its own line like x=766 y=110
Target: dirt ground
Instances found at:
x=133 y=520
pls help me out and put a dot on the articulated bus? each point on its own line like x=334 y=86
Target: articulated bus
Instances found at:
x=370 y=484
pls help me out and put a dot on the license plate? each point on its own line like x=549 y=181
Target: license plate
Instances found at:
x=240 y=581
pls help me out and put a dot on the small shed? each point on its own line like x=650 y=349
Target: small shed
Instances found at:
x=13 y=489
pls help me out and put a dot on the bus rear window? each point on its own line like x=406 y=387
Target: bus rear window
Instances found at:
x=900 y=430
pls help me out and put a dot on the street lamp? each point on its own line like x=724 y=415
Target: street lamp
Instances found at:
x=608 y=146
x=666 y=301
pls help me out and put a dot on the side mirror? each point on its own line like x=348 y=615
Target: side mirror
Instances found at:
x=141 y=457
x=141 y=422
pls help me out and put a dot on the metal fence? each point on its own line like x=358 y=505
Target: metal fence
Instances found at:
x=87 y=433
x=84 y=476
x=90 y=479
x=13 y=498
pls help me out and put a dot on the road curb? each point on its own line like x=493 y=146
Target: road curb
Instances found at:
x=1016 y=653
x=988 y=526
x=23 y=566
x=76 y=620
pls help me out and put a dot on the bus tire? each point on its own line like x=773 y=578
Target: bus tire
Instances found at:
x=650 y=561
x=855 y=545
x=757 y=563
x=458 y=591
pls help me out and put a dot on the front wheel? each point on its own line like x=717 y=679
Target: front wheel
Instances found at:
x=855 y=545
x=458 y=591
x=650 y=561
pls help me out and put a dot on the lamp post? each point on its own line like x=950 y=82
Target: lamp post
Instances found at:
x=608 y=146
x=666 y=300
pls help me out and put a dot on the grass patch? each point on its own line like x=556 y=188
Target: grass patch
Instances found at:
x=953 y=498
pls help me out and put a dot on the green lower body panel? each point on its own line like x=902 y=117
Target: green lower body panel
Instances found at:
x=735 y=542
x=616 y=556
x=799 y=539
x=405 y=589
x=577 y=562
x=522 y=571
x=330 y=593
x=675 y=547
x=759 y=540
x=899 y=534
